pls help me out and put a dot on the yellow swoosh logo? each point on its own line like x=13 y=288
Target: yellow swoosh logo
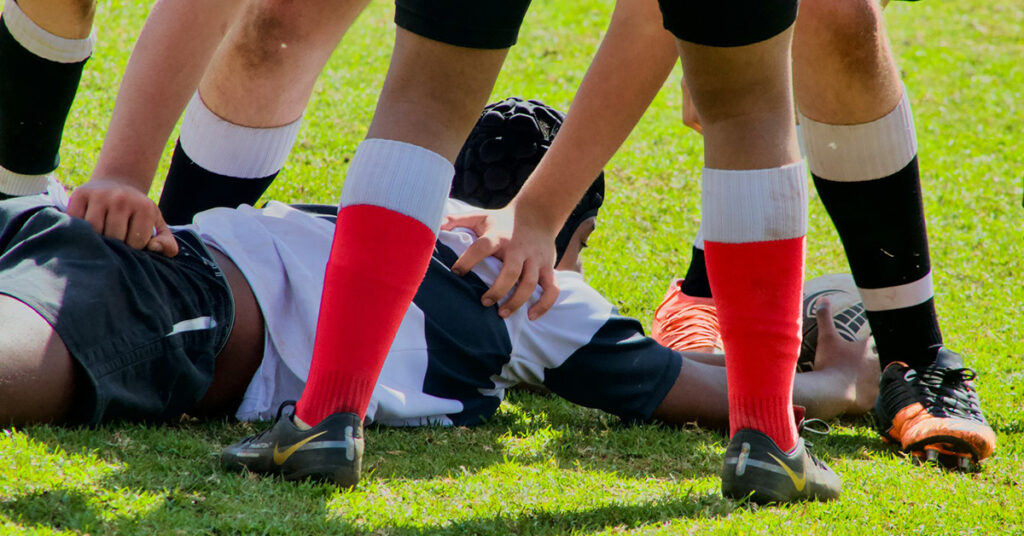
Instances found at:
x=281 y=457
x=798 y=483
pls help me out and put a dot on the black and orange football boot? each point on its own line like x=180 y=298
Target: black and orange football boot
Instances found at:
x=934 y=412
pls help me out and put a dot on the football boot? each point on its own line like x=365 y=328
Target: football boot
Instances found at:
x=332 y=450
x=757 y=468
x=686 y=323
x=934 y=412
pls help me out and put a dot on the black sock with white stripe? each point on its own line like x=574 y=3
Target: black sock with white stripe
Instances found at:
x=867 y=177
x=220 y=164
x=39 y=75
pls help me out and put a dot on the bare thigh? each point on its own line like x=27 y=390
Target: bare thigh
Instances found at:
x=38 y=377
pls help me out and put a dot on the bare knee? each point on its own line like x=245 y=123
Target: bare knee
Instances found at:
x=269 y=29
x=264 y=30
x=849 y=30
x=37 y=373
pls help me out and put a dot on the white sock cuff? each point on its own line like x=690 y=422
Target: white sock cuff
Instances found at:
x=868 y=151
x=756 y=205
x=399 y=176
x=234 y=150
x=12 y=183
x=698 y=241
x=43 y=43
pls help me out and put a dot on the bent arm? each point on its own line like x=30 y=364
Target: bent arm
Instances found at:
x=634 y=59
x=173 y=50
x=630 y=67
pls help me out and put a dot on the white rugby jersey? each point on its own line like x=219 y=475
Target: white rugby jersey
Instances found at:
x=452 y=359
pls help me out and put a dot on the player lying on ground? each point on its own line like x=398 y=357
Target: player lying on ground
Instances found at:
x=95 y=331
x=861 y=148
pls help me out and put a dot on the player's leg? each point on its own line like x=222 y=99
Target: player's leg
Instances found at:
x=44 y=45
x=755 y=209
x=859 y=136
x=241 y=125
x=390 y=212
x=441 y=75
x=37 y=374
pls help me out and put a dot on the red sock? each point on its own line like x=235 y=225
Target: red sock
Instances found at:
x=758 y=291
x=377 y=263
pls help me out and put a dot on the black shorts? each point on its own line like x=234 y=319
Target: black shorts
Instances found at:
x=144 y=329
x=727 y=23
x=492 y=24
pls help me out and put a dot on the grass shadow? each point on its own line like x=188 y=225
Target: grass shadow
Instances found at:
x=74 y=510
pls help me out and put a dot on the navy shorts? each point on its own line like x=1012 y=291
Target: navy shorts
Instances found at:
x=618 y=371
x=729 y=23
x=486 y=24
x=143 y=329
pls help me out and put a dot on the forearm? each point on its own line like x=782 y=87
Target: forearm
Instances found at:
x=632 y=63
x=173 y=50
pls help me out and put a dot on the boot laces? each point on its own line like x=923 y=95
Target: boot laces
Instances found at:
x=947 y=392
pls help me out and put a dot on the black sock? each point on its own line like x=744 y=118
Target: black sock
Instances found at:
x=696 y=283
x=882 y=227
x=35 y=99
x=191 y=189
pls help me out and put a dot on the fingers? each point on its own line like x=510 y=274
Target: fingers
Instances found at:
x=125 y=214
x=96 y=215
x=549 y=293
x=140 y=229
x=528 y=278
x=823 y=314
x=469 y=221
x=77 y=204
x=476 y=252
x=116 y=223
x=164 y=241
x=507 y=278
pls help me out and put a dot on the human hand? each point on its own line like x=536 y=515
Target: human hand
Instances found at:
x=526 y=249
x=120 y=211
x=851 y=366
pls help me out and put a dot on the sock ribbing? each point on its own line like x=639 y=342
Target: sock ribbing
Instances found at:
x=399 y=176
x=234 y=150
x=43 y=43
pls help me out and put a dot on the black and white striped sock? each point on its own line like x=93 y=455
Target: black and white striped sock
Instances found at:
x=220 y=164
x=867 y=177
x=39 y=75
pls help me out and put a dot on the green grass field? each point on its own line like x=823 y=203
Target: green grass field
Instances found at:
x=543 y=466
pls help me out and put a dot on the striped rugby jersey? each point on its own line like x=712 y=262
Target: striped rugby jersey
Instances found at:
x=452 y=358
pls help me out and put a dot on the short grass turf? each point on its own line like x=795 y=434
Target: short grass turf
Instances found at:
x=542 y=466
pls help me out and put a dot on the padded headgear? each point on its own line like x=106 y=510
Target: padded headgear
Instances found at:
x=502 y=151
